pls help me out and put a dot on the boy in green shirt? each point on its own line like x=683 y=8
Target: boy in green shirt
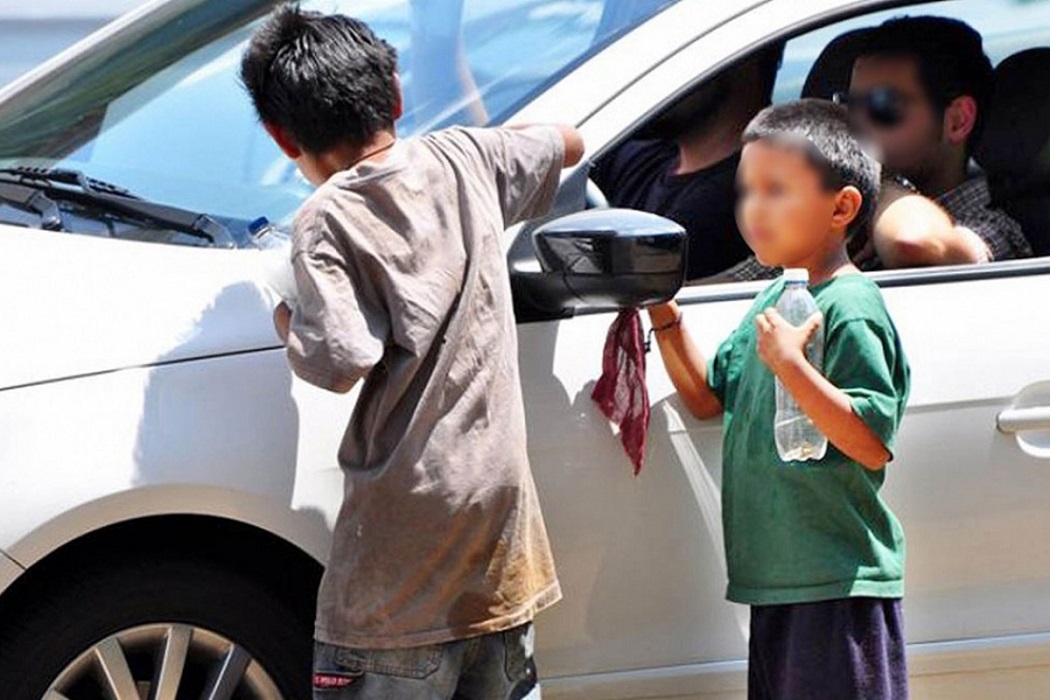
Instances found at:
x=811 y=546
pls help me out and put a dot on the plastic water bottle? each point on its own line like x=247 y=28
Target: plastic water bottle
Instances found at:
x=265 y=236
x=276 y=261
x=796 y=437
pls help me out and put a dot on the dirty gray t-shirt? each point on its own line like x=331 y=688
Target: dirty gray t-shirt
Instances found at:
x=403 y=281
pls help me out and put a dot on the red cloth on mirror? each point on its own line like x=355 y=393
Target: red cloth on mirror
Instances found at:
x=620 y=392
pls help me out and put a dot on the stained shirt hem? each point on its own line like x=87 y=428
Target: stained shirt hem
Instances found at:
x=545 y=599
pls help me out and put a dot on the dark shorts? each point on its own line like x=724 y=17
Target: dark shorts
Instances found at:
x=832 y=650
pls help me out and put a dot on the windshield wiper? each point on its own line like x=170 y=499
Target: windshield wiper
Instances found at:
x=68 y=176
x=114 y=198
x=35 y=201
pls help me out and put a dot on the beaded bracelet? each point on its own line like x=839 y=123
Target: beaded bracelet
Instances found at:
x=660 y=329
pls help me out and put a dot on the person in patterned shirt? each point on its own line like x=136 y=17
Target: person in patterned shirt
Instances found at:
x=919 y=91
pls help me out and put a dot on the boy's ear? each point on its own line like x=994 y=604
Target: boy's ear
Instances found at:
x=283 y=140
x=399 y=107
x=848 y=202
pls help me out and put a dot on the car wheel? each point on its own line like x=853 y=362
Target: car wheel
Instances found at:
x=164 y=631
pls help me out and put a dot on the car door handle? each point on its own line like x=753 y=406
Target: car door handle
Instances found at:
x=1018 y=420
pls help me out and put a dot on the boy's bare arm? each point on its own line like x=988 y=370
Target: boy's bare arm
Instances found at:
x=684 y=362
x=780 y=345
x=573 y=144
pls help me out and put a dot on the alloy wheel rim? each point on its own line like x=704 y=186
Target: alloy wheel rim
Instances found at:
x=167 y=661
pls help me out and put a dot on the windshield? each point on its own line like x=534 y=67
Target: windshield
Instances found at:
x=159 y=109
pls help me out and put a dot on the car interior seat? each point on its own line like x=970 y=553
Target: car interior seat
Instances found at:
x=831 y=71
x=1014 y=149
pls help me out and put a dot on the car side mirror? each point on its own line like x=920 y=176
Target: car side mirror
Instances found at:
x=611 y=258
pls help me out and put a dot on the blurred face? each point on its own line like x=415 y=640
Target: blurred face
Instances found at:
x=714 y=100
x=887 y=103
x=784 y=211
x=692 y=113
x=312 y=169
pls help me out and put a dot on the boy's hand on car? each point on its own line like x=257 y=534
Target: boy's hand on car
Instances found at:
x=781 y=344
x=282 y=319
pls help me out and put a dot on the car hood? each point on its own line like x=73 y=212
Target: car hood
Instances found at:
x=76 y=305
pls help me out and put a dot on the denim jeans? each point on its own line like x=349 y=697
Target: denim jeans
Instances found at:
x=491 y=667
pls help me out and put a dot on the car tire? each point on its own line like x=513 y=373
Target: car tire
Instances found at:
x=221 y=622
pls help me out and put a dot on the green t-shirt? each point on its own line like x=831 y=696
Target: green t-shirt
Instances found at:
x=801 y=532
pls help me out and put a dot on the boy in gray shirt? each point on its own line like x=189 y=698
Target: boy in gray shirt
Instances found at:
x=440 y=558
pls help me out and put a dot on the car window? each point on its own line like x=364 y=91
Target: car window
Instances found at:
x=635 y=171
x=1020 y=197
x=1007 y=26
x=161 y=112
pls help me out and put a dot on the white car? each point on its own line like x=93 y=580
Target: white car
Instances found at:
x=167 y=487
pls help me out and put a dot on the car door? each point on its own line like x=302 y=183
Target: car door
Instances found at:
x=640 y=558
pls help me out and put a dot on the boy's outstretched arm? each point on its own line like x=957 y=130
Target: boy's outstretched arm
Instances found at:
x=573 y=144
x=684 y=362
x=781 y=346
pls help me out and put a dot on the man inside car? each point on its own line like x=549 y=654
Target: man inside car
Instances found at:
x=683 y=164
x=920 y=89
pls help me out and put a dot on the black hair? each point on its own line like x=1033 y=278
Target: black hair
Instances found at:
x=821 y=131
x=950 y=59
x=325 y=79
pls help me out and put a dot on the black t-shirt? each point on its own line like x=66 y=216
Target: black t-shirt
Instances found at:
x=640 y=175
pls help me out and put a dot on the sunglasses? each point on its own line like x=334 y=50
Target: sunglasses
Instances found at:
x=885 y=106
